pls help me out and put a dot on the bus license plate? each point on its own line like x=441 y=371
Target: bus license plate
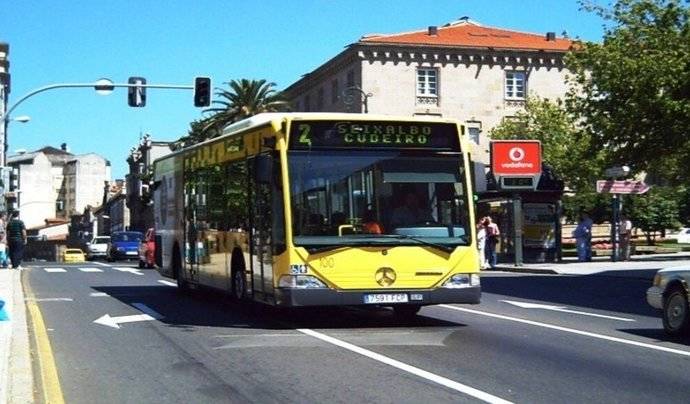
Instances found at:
x=381 y=298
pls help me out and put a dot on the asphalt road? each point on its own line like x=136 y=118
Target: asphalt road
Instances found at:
x=607 y=346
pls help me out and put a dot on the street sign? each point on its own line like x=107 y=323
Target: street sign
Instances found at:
x=515 y=157
x=621 y=187
x=618 y=171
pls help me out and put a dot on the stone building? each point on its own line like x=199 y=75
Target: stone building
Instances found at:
x=477 y=74
x=56 y=184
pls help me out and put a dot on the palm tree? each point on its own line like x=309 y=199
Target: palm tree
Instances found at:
x=245 y=98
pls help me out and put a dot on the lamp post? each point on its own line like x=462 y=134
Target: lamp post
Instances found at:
x=349 y=94
x=3 y=134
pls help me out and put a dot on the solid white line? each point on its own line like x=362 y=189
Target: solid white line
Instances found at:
x=167 y=283
x=90 y=269
x=570 y=330
x=54 y=269
x=471 y=391
x=53 y=299
x=98 y=294
x=528 y=305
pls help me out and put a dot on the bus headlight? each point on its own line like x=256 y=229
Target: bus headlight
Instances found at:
x=462 y=281
x=300 y=282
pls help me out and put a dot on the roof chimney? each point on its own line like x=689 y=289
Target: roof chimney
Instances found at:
x=63 y=147
x=550 y=36
x=433 y=30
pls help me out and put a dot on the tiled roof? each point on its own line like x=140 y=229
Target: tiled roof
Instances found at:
x=469 y=34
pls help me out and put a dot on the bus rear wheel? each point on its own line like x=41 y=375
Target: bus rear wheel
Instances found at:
x=406 y=310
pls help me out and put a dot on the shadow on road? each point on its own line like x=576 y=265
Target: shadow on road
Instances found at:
x=210 y=309
x=610 y=291
x=657 y=334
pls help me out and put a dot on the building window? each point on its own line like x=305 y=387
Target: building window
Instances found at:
x=334 y=91
x=427 y=82
x=319 y=99
x=515 y=85
x=473 y=132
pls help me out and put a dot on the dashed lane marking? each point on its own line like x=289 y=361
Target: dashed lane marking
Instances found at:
x=167 y=283
x=53 y=270
x=98 y=294
x=90 y=269
x=130 y=270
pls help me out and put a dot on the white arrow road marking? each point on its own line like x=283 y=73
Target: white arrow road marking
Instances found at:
x=451 y=384
x=114 y=322
x=90 y=269
x=54 y=269
x=526 y=305
x=128 y=269
x=167 y=283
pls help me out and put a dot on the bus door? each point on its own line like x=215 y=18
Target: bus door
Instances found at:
x=261 y=216
x=192 y=240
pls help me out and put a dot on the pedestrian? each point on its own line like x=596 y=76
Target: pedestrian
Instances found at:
x=625 y=236
x=16 y=239
x=492 y=233
x=411 y=212
x=481 y=243
x=3 y=240
x=369 y=223
x=583 y=238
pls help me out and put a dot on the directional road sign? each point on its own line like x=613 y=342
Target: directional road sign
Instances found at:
x=621 y=187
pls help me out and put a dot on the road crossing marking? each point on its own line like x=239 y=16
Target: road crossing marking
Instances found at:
x=570 y=330
x=128 y=269
x=90 y=269
x=98 y=294
x=167 y=283
x=101 y=264
x=54 y=269
x=470 y=391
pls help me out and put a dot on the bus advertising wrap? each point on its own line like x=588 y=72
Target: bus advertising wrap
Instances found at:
x=435 y=136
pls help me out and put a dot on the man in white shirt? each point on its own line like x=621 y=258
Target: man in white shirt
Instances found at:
x=625 y=235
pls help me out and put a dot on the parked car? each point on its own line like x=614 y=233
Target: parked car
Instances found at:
x=97 y=248
x=73 y=255
x=147 y=250
x=124 y=245
x=683 y=235
x=669 y=293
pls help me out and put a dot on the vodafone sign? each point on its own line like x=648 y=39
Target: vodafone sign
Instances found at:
x=515 y=157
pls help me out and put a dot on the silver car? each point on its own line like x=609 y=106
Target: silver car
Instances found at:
x=97 y=248
x=669 y=293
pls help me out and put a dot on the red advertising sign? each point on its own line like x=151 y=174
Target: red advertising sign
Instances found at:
x=621 y=187
x=515 y=157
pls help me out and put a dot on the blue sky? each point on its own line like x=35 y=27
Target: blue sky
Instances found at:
x=171 y=42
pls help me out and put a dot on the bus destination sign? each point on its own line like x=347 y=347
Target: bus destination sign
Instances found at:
x=435 y=136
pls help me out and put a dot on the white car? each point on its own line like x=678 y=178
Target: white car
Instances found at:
x=683 y=235
x=669 y=293
x=97 y=248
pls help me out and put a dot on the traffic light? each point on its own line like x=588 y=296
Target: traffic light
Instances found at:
x=14 y=179
x=202 y=92
x=136 y=96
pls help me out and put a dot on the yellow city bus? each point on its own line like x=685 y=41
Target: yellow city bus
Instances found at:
x=304 y=209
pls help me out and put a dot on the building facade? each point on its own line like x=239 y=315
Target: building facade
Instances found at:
x=462 y=70
x=55 y=184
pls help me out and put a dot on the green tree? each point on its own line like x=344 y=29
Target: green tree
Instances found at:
x=243 y=99
x=632 y=90
x=653 y=212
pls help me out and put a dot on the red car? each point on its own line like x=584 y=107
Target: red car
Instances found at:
x=147 y=250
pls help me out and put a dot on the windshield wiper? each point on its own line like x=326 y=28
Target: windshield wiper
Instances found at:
x=441 y=247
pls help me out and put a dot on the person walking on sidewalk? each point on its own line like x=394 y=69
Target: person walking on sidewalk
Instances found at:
x=492 y=233
x=625 y=235
x=481 y=243
x=16 y=239
x=3 y=240
x=583 y=238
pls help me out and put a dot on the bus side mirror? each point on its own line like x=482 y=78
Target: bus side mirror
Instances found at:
x=263 y=169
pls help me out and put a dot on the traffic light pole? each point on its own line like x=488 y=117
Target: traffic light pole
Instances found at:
x=5 y=116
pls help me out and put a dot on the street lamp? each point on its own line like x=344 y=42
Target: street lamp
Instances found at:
x=349 y=96
x=22 y=119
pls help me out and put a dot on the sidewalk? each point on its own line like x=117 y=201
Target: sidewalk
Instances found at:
x=570 y=265
x=16 y=378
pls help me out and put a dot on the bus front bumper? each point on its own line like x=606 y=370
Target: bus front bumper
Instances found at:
x=294 y=297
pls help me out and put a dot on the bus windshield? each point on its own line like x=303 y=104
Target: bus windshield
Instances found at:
x=386 y=197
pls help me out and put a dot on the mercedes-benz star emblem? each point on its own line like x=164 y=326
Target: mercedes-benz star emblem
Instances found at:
x=385 y=276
